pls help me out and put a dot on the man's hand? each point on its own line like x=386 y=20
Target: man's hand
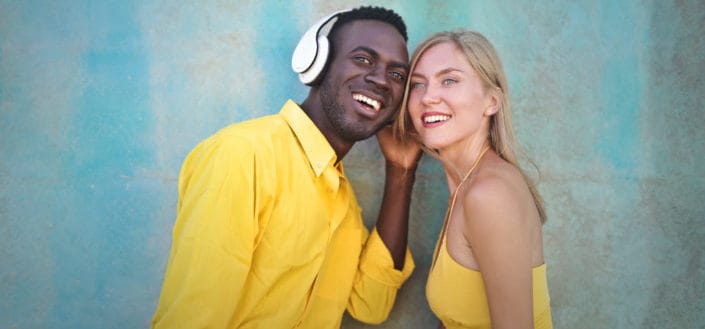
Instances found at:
x=400 y=173
x=401 y=154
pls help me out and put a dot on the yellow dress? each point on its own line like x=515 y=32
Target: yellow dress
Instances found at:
x=456 y=294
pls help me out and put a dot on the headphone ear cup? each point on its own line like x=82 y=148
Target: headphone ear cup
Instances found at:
x=305 y=52
x=311 y=53
x=310 y=75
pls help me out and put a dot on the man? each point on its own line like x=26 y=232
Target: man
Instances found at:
x=268 y=233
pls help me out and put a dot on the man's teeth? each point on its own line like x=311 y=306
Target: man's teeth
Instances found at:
x=436 y=118
x=369 y=101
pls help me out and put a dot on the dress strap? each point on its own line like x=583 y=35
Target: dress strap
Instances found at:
x=449 y=211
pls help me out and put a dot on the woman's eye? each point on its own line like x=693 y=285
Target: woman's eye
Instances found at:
x=448 y=81
x=416 y=85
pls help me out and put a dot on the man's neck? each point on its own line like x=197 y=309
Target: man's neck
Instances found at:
x=315 y=111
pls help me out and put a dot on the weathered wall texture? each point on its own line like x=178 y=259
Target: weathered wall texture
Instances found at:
x=101 y=101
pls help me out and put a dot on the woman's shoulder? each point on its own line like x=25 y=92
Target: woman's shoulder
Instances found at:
x=495 y=179
x=496 y=192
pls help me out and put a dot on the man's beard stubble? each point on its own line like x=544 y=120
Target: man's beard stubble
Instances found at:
x=335 y=112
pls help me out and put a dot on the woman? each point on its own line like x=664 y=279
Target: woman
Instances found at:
x=488 y=269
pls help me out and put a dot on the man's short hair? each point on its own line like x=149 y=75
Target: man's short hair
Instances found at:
x=372 y=13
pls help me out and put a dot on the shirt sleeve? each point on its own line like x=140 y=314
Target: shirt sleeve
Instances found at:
x=213 y=238
x=376 y=285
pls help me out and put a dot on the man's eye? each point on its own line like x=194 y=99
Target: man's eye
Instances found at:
x=397 y=76
x=363 y=59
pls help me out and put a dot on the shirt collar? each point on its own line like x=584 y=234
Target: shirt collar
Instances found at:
x=319 y=152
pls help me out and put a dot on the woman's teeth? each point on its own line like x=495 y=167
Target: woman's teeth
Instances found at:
x=435 y=118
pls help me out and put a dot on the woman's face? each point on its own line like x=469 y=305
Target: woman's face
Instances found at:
x=447 y=102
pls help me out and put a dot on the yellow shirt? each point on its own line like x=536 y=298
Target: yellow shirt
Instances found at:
x=269 y=235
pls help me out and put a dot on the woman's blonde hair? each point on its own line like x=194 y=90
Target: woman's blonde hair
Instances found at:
x=483 y=58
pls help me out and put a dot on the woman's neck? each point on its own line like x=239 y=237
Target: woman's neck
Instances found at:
x=459 y=160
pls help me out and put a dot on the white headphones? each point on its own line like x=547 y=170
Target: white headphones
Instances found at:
x=310 y=56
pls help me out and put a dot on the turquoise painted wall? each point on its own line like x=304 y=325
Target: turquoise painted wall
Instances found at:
x=101 y=101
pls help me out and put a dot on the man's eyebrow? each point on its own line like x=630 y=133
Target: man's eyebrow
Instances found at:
x=366 y=49
x=375 y=54
x=401 y=65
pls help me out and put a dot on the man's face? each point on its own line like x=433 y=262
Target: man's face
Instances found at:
x=364 y=84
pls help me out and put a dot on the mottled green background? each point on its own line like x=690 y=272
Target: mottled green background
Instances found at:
x=100 y=101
